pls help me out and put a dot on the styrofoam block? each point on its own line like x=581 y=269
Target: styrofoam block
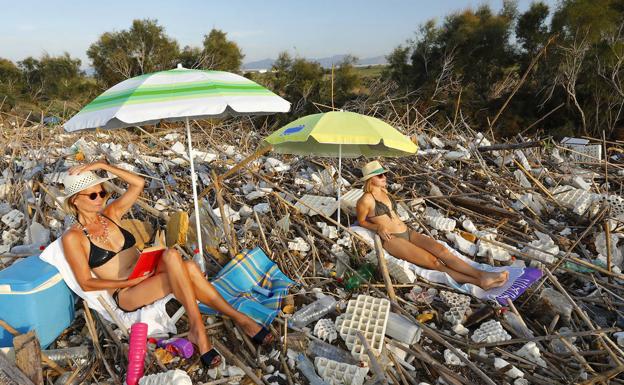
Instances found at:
x=451 y=358
x=368 y=315
x=10 y=236
x=521 y=381
x=339 y=373
x=438 y=221
x=171 y=377
x=319 y=204
x=545 y=246
x=460 y=329
x=230 y=213
x=13 y=218
x=4 y=208
x=531 y=352
x=349 y=200
x=330 y=232
x=462 y=244
x=325 y=330
x=533 y=201
x=513 y=372
x=299 y=244
x=490 y=331
x=275 y=165
x=577 y=200
x=487 y=249
x=398 y=269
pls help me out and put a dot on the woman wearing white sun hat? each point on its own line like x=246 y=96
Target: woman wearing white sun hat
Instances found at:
x=97 y=244
x=376 y=211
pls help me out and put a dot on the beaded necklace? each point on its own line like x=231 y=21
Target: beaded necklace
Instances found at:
x=101 y=238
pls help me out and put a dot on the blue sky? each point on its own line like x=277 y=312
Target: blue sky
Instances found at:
x=312 y=29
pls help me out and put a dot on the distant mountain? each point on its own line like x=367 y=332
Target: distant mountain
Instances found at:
x=325 y=62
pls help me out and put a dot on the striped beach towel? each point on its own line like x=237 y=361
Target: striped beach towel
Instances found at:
x=253 y=284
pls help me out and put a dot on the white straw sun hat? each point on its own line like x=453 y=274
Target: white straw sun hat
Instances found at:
x=371 y=169
x=77 y=183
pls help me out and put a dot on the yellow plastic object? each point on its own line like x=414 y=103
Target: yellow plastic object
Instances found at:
x=425 y=317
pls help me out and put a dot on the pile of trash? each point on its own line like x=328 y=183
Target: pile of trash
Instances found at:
x=552 y=206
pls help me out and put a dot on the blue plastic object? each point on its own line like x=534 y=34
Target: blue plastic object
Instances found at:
x=33 y=296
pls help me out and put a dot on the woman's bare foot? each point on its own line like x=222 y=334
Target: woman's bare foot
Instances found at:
x=490 y=280
x=198 y=337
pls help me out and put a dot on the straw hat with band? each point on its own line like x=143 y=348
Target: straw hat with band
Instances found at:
x=77 y=183
x=371 y=169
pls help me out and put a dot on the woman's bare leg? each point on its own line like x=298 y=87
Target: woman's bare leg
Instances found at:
x=403 y=249
x=487 y=279
x=171 y=277
x=206 y=293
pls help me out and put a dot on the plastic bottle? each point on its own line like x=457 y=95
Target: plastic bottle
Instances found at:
x=517 y=325
x=364 y=274
x=322 y=349
x=136 y=353
x=313 y=311
x=307 y=369
x=178 y=346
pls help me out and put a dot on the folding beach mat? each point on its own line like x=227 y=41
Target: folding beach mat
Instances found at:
x=253 y=284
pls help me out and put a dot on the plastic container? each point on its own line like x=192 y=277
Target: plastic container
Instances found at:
x=136 y=353
x=178 y=346
x=307 y=369
x=364 y=274
x=314 y=311
x=515 y=323
x=331 y=352
x=33 y=296
x=402 y=329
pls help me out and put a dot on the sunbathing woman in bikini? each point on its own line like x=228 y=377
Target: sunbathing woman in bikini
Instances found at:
x=376 y=211
x=97 y=244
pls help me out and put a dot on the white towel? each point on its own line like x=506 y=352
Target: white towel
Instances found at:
x=154 y=315
x=444 y=278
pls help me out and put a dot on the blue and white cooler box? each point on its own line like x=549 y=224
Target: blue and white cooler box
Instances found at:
x=33 y=296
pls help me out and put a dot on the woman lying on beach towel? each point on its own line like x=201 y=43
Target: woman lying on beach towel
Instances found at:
x=376 y=211
x=96 y=243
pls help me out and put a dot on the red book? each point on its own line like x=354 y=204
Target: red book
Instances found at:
x=147 y=262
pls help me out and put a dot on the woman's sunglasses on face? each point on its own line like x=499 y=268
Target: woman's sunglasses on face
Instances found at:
x=381 y=176
x=93 y=196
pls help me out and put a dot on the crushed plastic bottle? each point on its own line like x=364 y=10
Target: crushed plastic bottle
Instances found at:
x=322 y=349
x=314 y=311
x=364 y=274
x=177 y=346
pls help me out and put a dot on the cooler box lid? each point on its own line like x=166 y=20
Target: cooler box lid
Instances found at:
x=26 y=275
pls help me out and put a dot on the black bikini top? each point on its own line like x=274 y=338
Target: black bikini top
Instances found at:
x=382 y=209
x=99 y=256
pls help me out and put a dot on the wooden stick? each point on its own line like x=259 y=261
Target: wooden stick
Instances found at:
x=229 y=232
x=28 y=356
x=96 y=343
x=11 y=375
x=383 y=266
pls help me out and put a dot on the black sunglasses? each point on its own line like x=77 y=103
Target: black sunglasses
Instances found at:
x=94 y=195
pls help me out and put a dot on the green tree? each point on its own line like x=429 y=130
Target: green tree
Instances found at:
x=51 y=77
x=531 y=29
x=10 y=78
x=346 y=82
x=141 y=49
x=221 y=54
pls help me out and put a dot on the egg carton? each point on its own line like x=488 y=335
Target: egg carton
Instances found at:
x=546 y=248
x=349 y=200
x=325 y=330
x=490 y=331
x=454 y=299
x=171 y=377
x=577 y=200
x=616 y=204
x=368 y=315
x=398 y=269
x=455 y=315
x=13 y=218
x=314 y=204
x=339 y=373
x=584 y=153
x=490 y=250
x=438 y=221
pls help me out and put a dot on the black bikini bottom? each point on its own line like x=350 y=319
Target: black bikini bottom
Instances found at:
x=405 y=235
x=116 y=299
